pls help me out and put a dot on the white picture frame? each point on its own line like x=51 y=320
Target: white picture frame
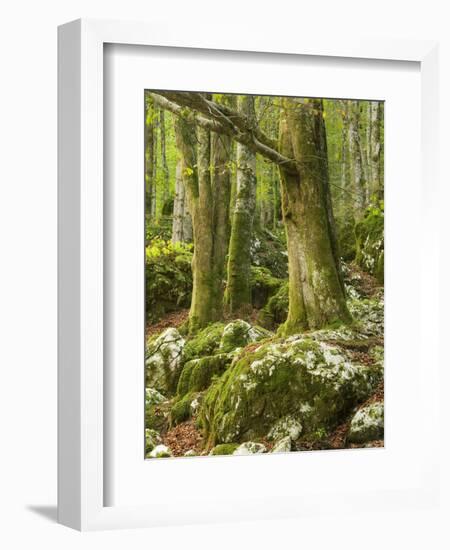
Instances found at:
x=81 y=481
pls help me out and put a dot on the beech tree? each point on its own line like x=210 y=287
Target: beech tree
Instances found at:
x=316 y=293
x=238 y=293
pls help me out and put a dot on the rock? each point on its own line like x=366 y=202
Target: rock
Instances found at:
x=198 y=373
x=184 y=408
x=238 y=334
x=283 y=446
x=153 y=397
x=157 y=413
x=312 y=382
x=275 y=311
x=263 y=285
x=163 y=361
x=224 y=449
x=285 y=427
x=250 y=448
x=369 y=234
x=152 y=439
x=191 y=452
x=160 y=451
x=367 y=424
x=205 y=342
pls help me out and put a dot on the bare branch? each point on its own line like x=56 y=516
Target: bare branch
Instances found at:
x=197 y=109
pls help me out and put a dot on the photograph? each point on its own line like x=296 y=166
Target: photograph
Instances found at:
x=264 y=274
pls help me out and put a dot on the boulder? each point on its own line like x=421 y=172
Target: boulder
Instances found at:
x=282 y=446
x=239 y=334
x=224 y=449
x=152 y=439
x=313 y=383
x=367 y=424
x=160 y=451
x=250 y=448
x=164 y=361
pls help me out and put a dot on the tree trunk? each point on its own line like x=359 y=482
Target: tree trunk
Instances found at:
x=181 y=224
x=149 y=155
x=207 y=293
x=165 y=168
x=359 y=180
x=375 y=148
x=316 y=296
x=221 y=148
x=238 y=295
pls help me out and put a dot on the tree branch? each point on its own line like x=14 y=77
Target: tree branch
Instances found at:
x=196 y=109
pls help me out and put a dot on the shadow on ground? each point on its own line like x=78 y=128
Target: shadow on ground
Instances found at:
x=47 y=512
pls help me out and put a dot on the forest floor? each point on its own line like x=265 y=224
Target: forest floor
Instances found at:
x=187 y=436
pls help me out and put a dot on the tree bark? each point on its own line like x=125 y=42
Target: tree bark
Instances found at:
x=149 y=156
x=182 y=223
x=165 y=168
x=238 y=294
x=375 y=148
x=358 y=175
x=316 y=296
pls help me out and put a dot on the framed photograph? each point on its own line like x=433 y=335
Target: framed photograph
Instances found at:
x=242 y=225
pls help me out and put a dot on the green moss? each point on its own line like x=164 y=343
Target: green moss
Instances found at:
x=204 y=343
x=181 y=409
x=311 y=382
x=275 y=311
x=197 y=374
x=239 y=333
x=263 y=285
x=224 y=449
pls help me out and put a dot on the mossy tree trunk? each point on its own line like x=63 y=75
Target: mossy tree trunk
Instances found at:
x=165 y=168
x=221 y=148
x=208 y=210
x=316 y=293
x=238 y=294
x=376 y=121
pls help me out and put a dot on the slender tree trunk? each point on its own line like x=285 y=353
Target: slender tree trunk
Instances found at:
x=181 y=224
x=195 y=148
x=165 y=168
x=221 y=148
x=155 y=161
x=358 y=175
x=375 y=148
x=238 y=294
x=316 y=297
x=149 y=156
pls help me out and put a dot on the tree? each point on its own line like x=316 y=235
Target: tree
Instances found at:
x=316 y=294
x=357 y=160
x=150 y=157
x=238 y=293
x=181 y=222
x=376 y=167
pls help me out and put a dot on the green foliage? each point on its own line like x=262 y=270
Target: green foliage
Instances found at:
x=268 y=249
x=168 y=277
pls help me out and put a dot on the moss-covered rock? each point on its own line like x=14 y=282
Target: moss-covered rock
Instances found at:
x=238 y=334
x=197 y=374
x=224 y=449
x=367 y=424
x=157 y=415
x=288 y=426
x=160 y=451
x=268 y=249
x=263 y=285
x=152 y=439
x=163 y=361
x=370 y=243
x=282 y=446
x=275 y=311
x=250 y=448
x=310 y=381
x=204 y=343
